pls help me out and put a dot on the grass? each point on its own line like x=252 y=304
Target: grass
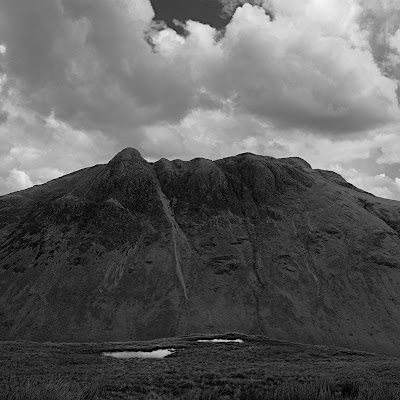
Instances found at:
x=257 y=369
x=52 y=391
x=324 y=389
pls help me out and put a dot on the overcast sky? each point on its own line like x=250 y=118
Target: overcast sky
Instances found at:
x=318 y=79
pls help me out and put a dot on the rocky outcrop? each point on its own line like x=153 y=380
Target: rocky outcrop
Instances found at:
x=134 y=250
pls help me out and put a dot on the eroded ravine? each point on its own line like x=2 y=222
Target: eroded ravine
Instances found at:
x=176 y=238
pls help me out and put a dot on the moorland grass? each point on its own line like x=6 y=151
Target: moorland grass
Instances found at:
x=52 y=391
x=257 y=369
x=318 y=390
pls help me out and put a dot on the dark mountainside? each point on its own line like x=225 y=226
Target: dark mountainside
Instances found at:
x=134 y=250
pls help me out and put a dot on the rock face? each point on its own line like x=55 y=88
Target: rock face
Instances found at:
x=134 y=250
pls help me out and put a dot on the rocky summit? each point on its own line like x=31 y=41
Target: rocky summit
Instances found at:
x=134 y=250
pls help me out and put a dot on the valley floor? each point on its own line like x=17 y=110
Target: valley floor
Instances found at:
x=258 y=368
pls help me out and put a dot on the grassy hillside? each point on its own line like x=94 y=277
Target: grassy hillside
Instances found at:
x=257 y=369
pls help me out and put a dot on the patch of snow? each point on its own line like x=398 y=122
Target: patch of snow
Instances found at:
x=221 y=340
x=160 y=353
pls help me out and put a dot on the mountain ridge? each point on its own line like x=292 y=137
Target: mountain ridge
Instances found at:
x=132 y=250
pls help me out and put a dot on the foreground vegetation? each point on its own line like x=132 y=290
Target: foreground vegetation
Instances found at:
x=257 y=369
x=320 y=389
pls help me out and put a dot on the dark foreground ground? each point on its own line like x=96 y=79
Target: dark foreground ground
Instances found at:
x=257 y=369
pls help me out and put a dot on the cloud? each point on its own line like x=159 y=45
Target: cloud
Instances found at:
x=311 y=67
x=45 y=149
x=381 y=19
x=80 y=79
x=207 y=133
x=89 y=64
x=229 y=6
x=305 y=70
x=3 y=116
x=16 y=180
x=381 y=185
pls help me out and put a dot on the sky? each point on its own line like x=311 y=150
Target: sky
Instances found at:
x=318 y=79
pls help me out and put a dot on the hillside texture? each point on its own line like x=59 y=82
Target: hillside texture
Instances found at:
x=134 y=250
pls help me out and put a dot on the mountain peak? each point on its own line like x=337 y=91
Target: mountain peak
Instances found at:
x=128 y=154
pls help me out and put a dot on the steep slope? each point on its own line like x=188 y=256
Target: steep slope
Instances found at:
x=134 y=250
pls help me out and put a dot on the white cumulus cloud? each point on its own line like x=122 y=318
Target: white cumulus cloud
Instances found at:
x=80 y=79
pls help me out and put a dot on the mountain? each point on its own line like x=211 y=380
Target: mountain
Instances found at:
x=133 y=250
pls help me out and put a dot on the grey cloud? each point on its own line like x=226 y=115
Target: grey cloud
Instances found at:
x=382 y=20
x=261 y=85
x=30 y=31
x=88 y=62
x=3 y=116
